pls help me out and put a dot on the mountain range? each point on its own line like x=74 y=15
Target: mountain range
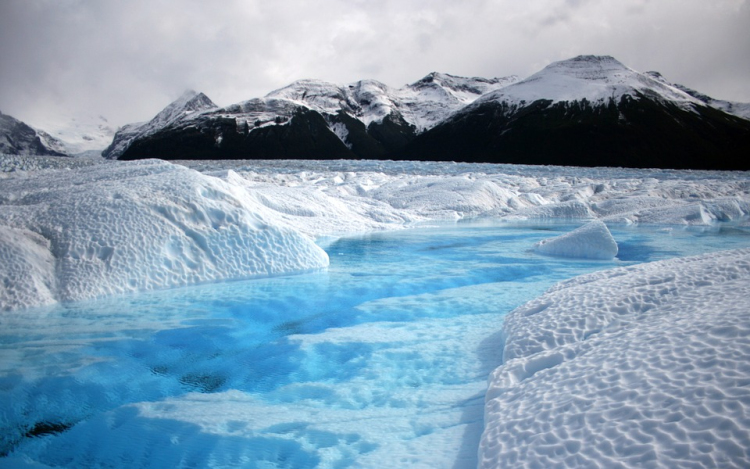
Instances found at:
x=584 y=111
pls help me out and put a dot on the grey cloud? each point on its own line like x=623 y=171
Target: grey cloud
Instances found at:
x=126 y=60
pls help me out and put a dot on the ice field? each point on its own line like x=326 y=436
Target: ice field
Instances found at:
x=278 y=314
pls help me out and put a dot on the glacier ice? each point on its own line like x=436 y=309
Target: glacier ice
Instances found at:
x=638 y=366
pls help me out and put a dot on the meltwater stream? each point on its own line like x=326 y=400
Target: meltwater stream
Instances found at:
x=379 y=361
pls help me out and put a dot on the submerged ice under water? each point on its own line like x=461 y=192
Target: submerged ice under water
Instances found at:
x=380 y=360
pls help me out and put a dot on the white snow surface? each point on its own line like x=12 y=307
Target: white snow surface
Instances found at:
x=88 y=230
x=644 y=366
x=591 y=241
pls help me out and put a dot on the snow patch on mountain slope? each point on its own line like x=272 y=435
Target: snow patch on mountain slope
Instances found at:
x=594 y=78
x=422 y=104
x=19 y=138
x=730 y=107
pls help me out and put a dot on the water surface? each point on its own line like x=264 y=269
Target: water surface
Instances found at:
x=381 y=360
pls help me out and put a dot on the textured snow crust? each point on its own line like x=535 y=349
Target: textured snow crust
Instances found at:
x=591 y=241
x=644 y=366
x=112 y=228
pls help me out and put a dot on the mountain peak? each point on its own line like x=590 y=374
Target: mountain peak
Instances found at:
x=590 y=67
x=595 y=78
x=188 y=103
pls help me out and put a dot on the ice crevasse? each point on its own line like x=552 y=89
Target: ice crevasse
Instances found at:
x=111 y=229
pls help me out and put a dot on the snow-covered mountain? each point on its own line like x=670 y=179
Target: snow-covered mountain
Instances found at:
x=367 y=119
x=421 y=104
x=18 y=138
x=590 y=111
x=186 y=106
x=585 y=111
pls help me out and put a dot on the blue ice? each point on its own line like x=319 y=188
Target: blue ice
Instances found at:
x=379 y=361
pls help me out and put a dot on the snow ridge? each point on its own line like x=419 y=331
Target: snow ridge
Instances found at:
x=421 y=104
x=730 y=107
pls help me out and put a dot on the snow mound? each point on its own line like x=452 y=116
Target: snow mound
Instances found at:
x=644 y=366
x=113 y=228
x=591 y=241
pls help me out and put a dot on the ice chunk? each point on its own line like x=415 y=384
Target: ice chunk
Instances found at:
x=591 y=241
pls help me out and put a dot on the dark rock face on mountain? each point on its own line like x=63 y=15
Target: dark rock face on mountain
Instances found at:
x=17 y=138
x=305 y=136
x=633 y=131
x=585 y=111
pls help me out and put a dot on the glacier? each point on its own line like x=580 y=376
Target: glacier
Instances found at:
x=110 y=228
x=631 y=367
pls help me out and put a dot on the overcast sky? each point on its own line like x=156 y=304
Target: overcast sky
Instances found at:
x=126 y=60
